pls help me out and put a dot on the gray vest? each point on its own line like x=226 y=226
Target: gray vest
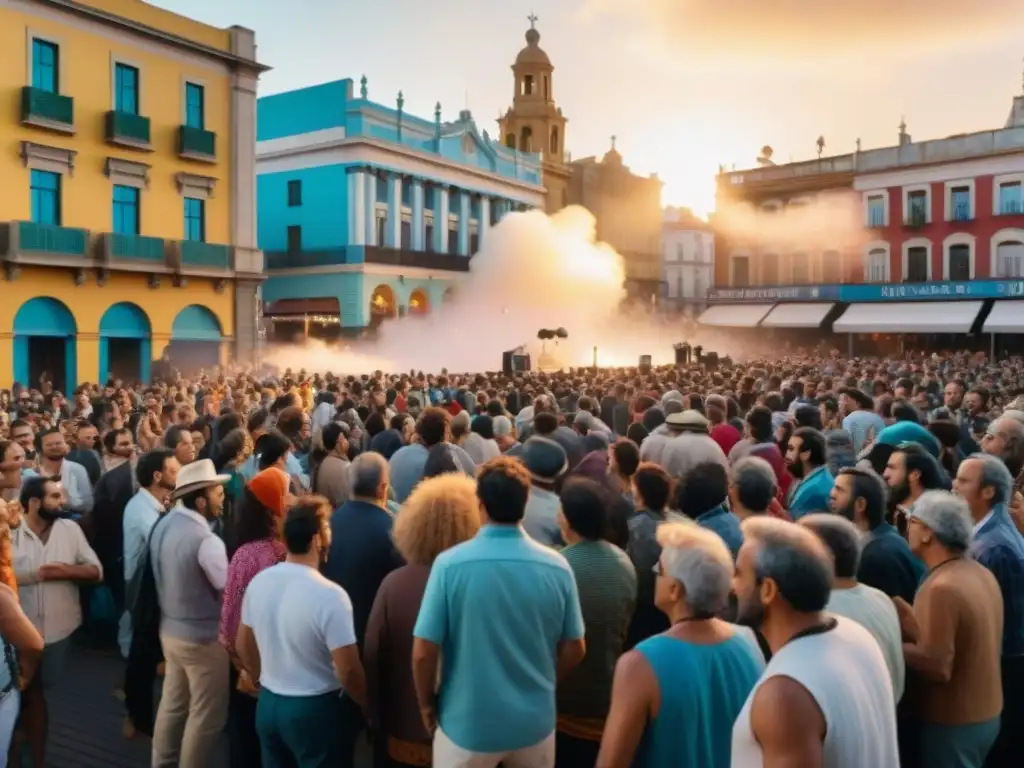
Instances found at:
x=189 y=605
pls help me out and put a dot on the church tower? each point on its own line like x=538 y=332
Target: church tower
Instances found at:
x=534 y=123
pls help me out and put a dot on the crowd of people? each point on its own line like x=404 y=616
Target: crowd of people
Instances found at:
x=807 y=561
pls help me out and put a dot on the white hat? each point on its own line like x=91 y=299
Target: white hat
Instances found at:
x=198 y=474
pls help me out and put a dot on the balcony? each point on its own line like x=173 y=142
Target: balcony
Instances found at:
x=915 y=219
x=197 y=144
x=147 y=251
x=44 y=109
x=49 y=239
x=196 y=255
x=422 y=259
x=126 y=129
x=300 y=259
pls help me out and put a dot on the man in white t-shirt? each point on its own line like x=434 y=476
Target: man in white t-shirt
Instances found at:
x=297 y=637
x=869 y=607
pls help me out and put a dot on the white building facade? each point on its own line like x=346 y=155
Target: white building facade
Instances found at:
x=687 y=261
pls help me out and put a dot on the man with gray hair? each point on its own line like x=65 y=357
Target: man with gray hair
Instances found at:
x=1004 y=439
x=869 y=607
x=984 y=482
x=362 y=551
x=699 y=658
x=752 y=487
x=952 y=638
x=803 y=711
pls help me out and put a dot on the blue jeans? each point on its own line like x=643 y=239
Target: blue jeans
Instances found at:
x=307 y=731
x=957 y=746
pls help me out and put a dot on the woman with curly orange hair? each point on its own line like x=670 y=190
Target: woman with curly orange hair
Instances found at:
x=441 y=512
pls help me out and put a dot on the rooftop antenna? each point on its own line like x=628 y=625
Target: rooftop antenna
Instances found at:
x=533 y=19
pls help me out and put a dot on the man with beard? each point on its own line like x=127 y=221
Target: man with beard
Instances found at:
x=807 y=461
x=803 y=711
x=909 y=472
x=886 y=562
x=73 y=479
x=52 y=558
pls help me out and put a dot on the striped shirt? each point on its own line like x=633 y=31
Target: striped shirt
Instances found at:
x=606 y=581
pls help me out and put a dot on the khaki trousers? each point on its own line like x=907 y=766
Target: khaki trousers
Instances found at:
x=193 y=706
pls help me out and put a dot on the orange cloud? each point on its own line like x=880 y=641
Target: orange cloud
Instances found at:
x=801 y=27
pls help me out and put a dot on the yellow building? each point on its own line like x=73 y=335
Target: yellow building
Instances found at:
x=127 y=208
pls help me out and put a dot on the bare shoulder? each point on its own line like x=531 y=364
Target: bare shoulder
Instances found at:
x=784 y=712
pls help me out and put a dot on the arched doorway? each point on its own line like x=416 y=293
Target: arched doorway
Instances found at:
x=196 y=337
x=382 y=305
x=125 y=347
x=44 y=343
x=419 y=304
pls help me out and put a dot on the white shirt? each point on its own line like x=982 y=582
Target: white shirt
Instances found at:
x=981 y=523
x=213 y=555
x=298 y=617
x=873 y=610
x=140 y=515
x=52 y=606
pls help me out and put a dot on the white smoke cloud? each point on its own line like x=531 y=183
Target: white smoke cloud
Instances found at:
x=533 y=272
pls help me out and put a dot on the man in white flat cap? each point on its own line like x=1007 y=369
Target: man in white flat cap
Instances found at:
x=190 y=565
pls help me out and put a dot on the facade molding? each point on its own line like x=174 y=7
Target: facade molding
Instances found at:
x=127 y=173
x=49 y=37
x=118 y=58
x=993 y=165
x=959 y=238
x=41 y=157
x=917 y=242
x=193 y=185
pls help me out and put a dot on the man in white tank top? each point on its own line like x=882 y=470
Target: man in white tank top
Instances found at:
x=826 y=696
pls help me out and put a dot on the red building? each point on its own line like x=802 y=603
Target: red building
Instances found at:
x=943 y=210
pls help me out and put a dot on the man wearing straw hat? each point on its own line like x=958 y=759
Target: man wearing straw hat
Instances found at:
x=190 y=567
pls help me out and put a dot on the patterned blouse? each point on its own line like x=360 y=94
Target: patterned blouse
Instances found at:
x=248 y=560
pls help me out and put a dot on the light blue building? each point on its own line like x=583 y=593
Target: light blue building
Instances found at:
x=367 y=212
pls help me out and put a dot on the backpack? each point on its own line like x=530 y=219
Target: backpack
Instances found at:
x=141 y=597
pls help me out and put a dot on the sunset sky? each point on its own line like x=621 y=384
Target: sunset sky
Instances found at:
x=684 y=84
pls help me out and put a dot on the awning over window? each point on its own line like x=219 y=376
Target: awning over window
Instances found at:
x=297 y=308
x=734 y=315
x=1005 y=317
x=807 y=315
x=909 y=317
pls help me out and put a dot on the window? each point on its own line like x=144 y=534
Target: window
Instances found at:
x=770 y=269
x=961 y=203
x=195 y=106
x=547 y=90
x=406 y=235
x=526 y=139
x=294 y=193
x=528 y=85
x=428 y=238
x=382 y=228
x=382 y=189
x=45 y=66
x=680 y=252
x=554 y=140
x=294 y=239
x=126 y=210
x=407 y=194
x=1010 y=198
x=801 y=268
x=453 y=239
x=126 y=89
x=510 y=140
x=878 y=266
x=917 y=265
x=740 y=271
x=195 y=219
x=428 y=197
x=960 y=262
x=474 y=243
x=45 y=187
x=1010 y=260
x=876 y=211
x=917 y=207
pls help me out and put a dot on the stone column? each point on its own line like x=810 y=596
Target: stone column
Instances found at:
x=484 y=223
x=393 y=232
x=356 y=206
x=418 y=225
x=371 y=209
x=246 y=323
x=464 y=214
x=441 y=219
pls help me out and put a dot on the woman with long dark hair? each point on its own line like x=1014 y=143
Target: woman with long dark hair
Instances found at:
x=256 y=535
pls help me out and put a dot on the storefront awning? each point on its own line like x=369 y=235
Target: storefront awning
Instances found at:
x=298 y=308
x=807 y=315
x=1005 y=317
x=909 y=317
x=734 y=315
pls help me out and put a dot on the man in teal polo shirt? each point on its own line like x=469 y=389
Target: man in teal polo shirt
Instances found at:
x=807 y=461
x=504 y=613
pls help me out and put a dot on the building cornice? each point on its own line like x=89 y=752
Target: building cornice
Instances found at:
x=168 y=38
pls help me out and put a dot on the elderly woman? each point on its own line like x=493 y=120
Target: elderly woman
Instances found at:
x=700 y=658
x=952 y=640
x=441 y=512
x=503 y=432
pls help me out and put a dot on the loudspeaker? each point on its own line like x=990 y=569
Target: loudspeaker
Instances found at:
x=512 y=363
x=683 y=354
x=645 y=364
